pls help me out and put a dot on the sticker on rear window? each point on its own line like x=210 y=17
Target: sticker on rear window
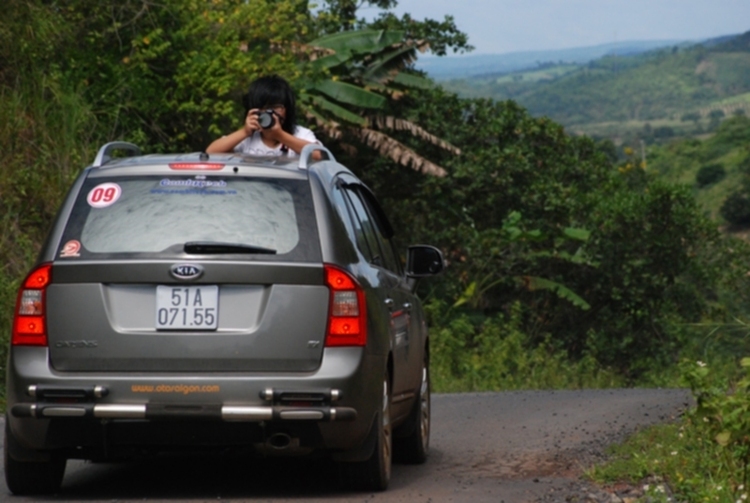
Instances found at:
x=71 y=249
x=104 y=195
x=197 y=183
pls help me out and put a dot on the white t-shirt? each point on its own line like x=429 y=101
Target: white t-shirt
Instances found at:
x=253 y=145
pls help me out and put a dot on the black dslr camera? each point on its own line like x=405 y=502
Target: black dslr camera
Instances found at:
x=266 y=118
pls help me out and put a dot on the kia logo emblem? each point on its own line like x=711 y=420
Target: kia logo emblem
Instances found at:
x=186 y=271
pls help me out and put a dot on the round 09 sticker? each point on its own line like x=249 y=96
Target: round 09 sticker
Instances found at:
x=103 y=195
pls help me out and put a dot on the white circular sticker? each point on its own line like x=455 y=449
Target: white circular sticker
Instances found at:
x=104 y=195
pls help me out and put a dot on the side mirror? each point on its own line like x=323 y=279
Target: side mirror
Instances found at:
x=423 y=261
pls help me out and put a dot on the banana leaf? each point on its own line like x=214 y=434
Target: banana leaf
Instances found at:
x=359 y=41
x=331 y=61
x=393 y=60
x=339 y=111
x=536 y=283
x=577 y=233
x=349 y=94
x=408 y=80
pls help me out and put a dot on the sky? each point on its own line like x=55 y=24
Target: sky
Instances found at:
x=503 y=26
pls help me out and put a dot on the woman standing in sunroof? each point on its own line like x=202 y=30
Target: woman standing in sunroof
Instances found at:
x=270 y=127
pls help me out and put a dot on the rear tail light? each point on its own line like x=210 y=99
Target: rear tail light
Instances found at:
x=347 y=316
x=29 y=325
x=200 y=166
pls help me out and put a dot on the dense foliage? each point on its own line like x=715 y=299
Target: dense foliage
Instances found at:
x=556 y=254
x=643 y=260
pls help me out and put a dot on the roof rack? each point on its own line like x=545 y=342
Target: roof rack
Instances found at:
x=307 y=152
x=105 y=153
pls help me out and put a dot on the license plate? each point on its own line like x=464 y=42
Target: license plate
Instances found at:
x=187 y=307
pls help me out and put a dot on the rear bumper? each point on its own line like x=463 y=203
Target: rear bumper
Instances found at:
x=157 y=411
x=331 y=408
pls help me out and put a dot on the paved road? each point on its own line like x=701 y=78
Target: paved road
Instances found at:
x=486 y=447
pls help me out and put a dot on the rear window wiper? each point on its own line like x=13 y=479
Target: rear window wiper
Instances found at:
x=217 y=247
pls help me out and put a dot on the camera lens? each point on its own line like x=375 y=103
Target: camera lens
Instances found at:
x=266 y=119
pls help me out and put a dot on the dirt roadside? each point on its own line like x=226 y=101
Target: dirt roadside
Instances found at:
x=538 y=444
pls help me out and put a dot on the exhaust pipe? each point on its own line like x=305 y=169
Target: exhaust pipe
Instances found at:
x=279 y=441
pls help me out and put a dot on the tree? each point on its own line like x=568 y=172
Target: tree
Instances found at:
x=168 y=74
x=369 y=70
x=338 y=15
x=366 y=68
x=197 y=58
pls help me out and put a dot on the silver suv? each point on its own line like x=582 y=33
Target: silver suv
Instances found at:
x=236 y=302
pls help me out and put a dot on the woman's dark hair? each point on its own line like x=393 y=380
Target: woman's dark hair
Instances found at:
x=272 y=90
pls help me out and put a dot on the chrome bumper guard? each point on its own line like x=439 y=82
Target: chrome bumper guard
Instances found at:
x=150 y=411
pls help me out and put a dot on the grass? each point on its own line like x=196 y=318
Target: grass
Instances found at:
x=673 y=454
x=703 y=457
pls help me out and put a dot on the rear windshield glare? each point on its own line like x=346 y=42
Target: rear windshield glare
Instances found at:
x=267 y=219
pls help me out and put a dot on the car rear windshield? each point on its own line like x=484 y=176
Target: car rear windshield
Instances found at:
x=166 y=216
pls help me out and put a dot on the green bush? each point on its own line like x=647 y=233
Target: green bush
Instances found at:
x=494 y=353
x=736 y=209
x=709 y=174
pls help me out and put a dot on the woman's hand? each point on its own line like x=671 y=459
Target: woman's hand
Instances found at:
x=251 y=122
x=276 y=132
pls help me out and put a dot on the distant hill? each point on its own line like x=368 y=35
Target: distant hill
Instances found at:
x=682 y=161
x=657 y=84
x=457 y=67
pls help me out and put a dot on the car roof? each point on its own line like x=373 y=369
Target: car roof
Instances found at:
x=105 y=164
x=201 y=157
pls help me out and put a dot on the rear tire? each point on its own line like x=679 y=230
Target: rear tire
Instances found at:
x=413 y=446
x=31 y=477
x=375 y=473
